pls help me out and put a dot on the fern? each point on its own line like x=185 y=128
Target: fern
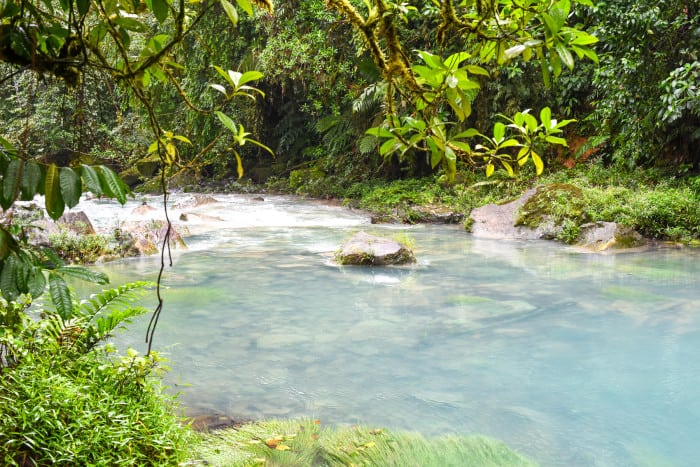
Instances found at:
x=93 y=320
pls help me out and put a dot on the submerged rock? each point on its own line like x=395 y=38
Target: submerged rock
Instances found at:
x=603 y=236
x=369 y=250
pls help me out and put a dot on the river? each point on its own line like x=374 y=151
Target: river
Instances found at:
x=572 y=359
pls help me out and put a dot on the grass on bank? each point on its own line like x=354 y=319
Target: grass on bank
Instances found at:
x=655 y=203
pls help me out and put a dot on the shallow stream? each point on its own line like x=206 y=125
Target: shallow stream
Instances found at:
x=572 y=359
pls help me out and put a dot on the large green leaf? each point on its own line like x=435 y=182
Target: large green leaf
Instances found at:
x=230 y=11
x=226 y=120
x=83 y=6
x=52 y=193
x=31 y=180
x=8 y=283
x=10 y=183
x=85 y=274
x=160 y=9
x=36 y=282
x=60 y=296
x=91 y=180
x=71 y=186
x=246 y=6
x=111 y=184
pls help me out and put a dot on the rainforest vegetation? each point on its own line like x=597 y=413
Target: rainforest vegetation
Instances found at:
x=375 y=102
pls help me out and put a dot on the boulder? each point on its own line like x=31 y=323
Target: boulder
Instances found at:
x=143 y=238
x=603 y=236
x=195 y=200
x=143 y=209
x=498 y=220
x=76 y=222
x=435 y=214
x=369 y=250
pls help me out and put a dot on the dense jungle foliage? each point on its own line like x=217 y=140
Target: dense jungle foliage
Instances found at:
x=389 y=103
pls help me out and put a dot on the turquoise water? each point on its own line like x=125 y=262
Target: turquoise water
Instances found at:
x=570 y=358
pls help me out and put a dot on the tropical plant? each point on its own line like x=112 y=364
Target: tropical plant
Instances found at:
x=441 y=89
x=67 y=400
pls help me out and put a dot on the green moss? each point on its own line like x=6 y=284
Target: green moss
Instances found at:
x=556 y=202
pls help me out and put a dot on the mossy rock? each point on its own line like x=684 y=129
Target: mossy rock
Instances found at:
x=149 y=165
x=363 y=249
x=556 y=202
x=131 y=176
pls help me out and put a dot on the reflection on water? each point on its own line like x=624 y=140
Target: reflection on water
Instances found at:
x=572 y=359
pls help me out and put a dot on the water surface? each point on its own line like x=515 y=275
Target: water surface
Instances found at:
x=572 y=359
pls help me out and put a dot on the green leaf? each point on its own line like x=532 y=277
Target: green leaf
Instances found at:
x=489 y=169
x=225 y=75
x=454 y=60
x=245 y=6
x=52 y=193
x=111 y=184
x=230 y=11
x=71 y=186
x=130 y=24
x=583 y=38
x=530 y=122
x=380 y=132
x=435 y=153
x=53 y=258
x=389 y=146
x=83 y=6
x=36 y=282
x=432 y=60
x=565 y=55
x=226 y=120
x=262 y=146
x=544 y=66
x=85 y=274
x=523 y=156
x=509 y=143
x=10 y=182
x=508 y=168
x=91 y=180
x=499 y=131
x=556 y=140
x=239 y=164
x=160 y=9
x=31 y=180
x=184 y=139
x=546 y=117
x=60 y=296
x=539 y=165
x=470 y=133
x=477 y=70
x=8 y=281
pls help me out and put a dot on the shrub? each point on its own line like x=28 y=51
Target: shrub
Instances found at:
x=82 y=249
x=66 y=401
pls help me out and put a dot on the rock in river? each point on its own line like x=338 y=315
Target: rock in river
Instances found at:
x=369 y=250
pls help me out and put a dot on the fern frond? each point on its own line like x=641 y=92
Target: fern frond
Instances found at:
x=117 y=298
